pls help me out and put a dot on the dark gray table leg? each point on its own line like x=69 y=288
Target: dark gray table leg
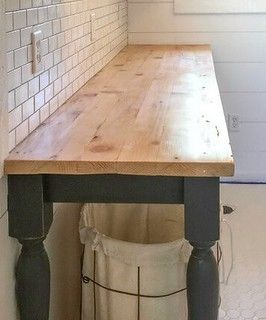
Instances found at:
x=30 y=217
x=33 y=281
x=201 y=197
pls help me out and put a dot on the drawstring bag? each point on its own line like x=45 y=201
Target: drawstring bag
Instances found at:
x=135 y=262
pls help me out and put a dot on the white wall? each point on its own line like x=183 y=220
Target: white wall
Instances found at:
x=239 y=47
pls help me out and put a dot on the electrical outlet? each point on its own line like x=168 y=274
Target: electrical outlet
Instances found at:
x=93 y=26
x=37 y=64
x=233 y=122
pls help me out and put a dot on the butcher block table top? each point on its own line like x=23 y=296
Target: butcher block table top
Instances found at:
x=153 y=110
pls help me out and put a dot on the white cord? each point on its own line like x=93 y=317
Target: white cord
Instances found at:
x=226 y=278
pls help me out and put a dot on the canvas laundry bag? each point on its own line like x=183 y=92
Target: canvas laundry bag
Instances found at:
x=135 y=262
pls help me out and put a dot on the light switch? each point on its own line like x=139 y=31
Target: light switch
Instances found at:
x=37 y=64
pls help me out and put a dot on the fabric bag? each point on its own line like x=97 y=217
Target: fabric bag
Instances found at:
x=135 y=261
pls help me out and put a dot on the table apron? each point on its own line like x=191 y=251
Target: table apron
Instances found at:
x=114 y=189
x=30 y=199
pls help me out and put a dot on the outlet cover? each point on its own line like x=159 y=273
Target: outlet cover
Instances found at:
x=37 y=64
x=233 y=122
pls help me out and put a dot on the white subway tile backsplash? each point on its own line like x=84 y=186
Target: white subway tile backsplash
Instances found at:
x=70 y=59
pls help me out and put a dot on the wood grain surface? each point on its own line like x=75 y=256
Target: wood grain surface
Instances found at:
x=154 y=110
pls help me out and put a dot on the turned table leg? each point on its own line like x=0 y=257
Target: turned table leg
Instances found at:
x=202 y=230
x=30 y=218
x=33 y=281
x=203 y=283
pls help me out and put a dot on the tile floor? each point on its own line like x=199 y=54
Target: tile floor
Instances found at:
x=244 y=296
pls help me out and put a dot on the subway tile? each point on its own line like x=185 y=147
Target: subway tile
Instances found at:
x=15 y=118
x=27 y=108
x=51 y=13
x=13 y=40
x=34 y=86
x=39 y=100
x=26 y=71
x=32 y=16
x=20 y=57
x=25 y=4
x=12 y=5
x=44 y=80
x=37 y=3
x=49 y=93
x=14 y=78
x=34 y=121
x=26 y=36
x=22 y=131
x=9 y=21
x=21 y=94
x=11 y=100
x=20 y=19
x=42 y=14
x=10 y=61
x=11 y=140
x=44 y=112
x=54 y=104
x=69 y=57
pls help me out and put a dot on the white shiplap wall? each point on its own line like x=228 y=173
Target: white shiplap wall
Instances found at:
x=239 y=47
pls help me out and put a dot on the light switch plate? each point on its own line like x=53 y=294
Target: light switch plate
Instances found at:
x=37 y=64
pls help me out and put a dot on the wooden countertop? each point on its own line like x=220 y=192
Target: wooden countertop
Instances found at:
x=154 y=110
